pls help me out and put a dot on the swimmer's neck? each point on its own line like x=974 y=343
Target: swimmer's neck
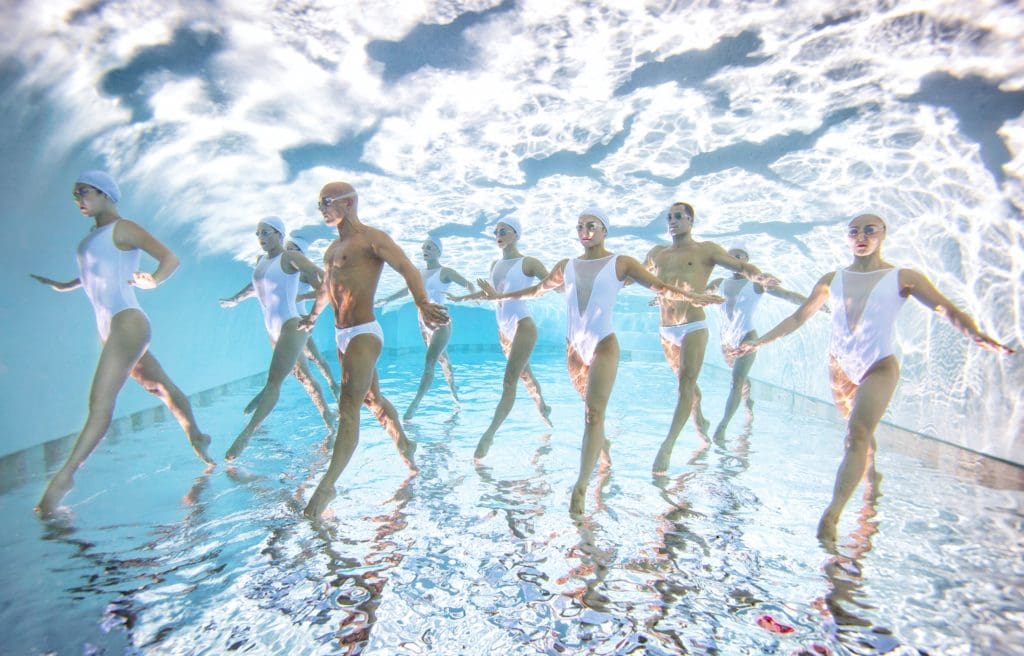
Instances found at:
x=867 y=263
x=595 y=252
x=432 y=263
x=349 y=226
x=274 y=251
x=106 y=217
x=684 y=239
x=510 y=252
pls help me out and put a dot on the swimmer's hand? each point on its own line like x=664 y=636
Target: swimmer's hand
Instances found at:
x=433 y=315
x=307 y=322
x=228 y=303
x=765 y=280
x=143 y=280
x=56 y=285
x=989 y=344
x=490 y=293
x=704 y=299
x=744 y=349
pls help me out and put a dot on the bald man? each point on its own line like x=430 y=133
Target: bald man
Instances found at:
x=688 y=263
x=352 y=267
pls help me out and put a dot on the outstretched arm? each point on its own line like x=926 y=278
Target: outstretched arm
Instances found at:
x=553 y=280
x=786 y=295
x=245 y=292
x=127 y=235
x=433 y=315
x=453 y=276
x=404 y=291
x=922 y=289
x=814 y=302
x=633 y=269
x=722 y=258
x=58 y=286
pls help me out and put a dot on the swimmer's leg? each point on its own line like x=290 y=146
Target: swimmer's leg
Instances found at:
x=600 y=379
x=869 y=404
x=314 y=355
x=358 y=369
x=128 y=340
x=387 y=416
x=740 y=386
x=148 y=373
x=286 y=351
x=436 y=344
x=518 y=355
x=691 y=359
x=305 y=377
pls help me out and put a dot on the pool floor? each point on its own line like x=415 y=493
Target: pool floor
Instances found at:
x=719 y=557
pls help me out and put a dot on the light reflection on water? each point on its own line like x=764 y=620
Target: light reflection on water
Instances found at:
x=484 y=558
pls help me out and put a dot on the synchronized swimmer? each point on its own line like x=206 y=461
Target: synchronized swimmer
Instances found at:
x=275 y=282
x=864 y=299
x=108 y=264
x=684 y=333
x=591 y=284
x=436 y=279
x=517 y=332
x=736 y=325
x=353 y=264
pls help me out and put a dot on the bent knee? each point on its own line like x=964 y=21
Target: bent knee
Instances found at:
x=860 y=435
x=592 y=415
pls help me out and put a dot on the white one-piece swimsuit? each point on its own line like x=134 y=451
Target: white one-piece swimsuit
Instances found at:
x=590 y=319
x=873 y=299
x=508 y=276
x=736 y=315
x=276 y=291
x=104 y=271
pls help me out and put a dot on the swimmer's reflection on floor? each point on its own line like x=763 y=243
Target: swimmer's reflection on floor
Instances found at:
x=360 y=585
x=682 y=618
x=593 y=568
x=126 y=580
x=844 y=601
x=519 y=499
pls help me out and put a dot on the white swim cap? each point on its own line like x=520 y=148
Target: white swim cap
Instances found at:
x=513 y=223
x=300 y=243
x=436 y=241
x=597 y=214
x=275 y=223
x=102 y=181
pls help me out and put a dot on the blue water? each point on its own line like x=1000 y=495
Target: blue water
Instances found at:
x=158 y=557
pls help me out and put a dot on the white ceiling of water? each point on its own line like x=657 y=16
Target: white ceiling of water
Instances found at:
x=778 y=121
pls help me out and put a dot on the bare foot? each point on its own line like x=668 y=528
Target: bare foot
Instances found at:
x=661 y=461
x=576 y=501
x=702 y=426
x=59 y=486
x=827 y=529
x=201 y=444
x=407 y=449
x=237 y=447
x=319 y=501
x=545 y=414
x=719 y=434
x=873 y=489
x=410 y=412
x=483 y=447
